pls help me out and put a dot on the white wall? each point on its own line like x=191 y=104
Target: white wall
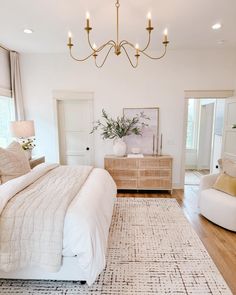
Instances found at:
x=117 y=85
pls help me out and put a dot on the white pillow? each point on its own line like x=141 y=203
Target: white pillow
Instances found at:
x=13 y=162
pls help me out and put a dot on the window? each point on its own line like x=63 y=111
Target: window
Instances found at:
x=6 y=115
x=191 y=141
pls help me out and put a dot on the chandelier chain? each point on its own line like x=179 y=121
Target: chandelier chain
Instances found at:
x=117 y=3
x=117 y=23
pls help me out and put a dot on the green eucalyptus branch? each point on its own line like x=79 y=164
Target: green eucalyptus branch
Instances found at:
x=122 y=126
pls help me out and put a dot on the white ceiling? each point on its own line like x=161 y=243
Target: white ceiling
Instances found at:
x=189 y=23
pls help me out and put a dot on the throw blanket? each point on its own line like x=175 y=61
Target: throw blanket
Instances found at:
x=32 y=216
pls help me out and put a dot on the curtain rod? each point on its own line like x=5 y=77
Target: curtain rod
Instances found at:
x=5 y=48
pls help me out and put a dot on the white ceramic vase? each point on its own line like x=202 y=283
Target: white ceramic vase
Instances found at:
x=119 y=147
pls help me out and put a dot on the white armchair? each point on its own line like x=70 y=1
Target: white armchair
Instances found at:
x=215 y=205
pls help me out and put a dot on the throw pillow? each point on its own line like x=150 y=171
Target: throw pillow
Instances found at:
x=226 y=184
x=13 y=162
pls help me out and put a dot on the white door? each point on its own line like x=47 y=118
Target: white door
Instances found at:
x=75 y=118
x=205 y=136
x=229 y=134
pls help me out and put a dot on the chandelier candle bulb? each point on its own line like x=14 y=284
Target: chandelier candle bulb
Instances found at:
x=94 y=47
x=69 y=38
x=149 y=16
x=166 y=35
x=137 y=50
x=87 y=19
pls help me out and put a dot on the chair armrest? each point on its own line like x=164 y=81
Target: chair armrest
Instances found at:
x=207 y=181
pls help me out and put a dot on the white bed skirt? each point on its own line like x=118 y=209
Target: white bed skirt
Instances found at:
x=69 y=271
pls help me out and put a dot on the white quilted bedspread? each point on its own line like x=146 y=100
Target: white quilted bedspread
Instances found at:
x=32 y=216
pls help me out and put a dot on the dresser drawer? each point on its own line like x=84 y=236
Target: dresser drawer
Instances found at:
x=155 y=163
x=153 y=183
x=126 y=184
x=123 y=163
x=155 y=173
x=123 y=174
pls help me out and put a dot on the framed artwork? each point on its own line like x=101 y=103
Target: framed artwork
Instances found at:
x=148 y=142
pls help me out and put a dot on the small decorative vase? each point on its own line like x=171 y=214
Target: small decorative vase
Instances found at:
x=119 y=147
x=28 y=154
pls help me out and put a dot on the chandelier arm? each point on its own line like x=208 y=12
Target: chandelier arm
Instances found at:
x=132 y=64
x=148 y=43
x=89 y=41
x=77 y=59
x=102 y=64
x=111 y=42
x=125 y=42
x=155 y=58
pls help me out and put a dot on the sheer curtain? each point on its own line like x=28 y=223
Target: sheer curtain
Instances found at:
x=16 y=85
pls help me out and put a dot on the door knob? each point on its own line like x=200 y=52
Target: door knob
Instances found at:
x=87 y=148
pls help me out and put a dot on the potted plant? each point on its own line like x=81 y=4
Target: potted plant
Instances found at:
x=118 y=128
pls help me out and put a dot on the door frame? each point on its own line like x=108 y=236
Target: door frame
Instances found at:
x=62 y=95
x=197 y=94
x=227 y=128
x=199 y=167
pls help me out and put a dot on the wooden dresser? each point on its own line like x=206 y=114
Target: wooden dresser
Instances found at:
x=147 y=173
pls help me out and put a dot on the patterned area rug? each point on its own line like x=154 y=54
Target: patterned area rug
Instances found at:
x=152 y=250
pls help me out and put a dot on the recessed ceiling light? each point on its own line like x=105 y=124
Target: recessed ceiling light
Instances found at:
x=216 y=26
x=28 y=31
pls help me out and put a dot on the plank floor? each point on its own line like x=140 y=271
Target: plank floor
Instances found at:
x=220 y=243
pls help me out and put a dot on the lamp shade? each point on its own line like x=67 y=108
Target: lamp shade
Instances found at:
x=22 y=129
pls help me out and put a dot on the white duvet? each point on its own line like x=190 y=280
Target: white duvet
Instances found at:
x=87 y=223
x=87 y=220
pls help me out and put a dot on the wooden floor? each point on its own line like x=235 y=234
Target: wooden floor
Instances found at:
x=220 y=243
x=193 y=177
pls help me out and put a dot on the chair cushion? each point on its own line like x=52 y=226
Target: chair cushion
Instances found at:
x=13 y=162
x=226 y=184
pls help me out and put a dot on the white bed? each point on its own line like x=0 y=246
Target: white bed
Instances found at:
x=86 y=228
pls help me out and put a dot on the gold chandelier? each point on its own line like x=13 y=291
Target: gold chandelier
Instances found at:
x=118 y=45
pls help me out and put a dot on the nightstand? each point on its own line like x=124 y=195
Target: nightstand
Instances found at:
x=36 y=160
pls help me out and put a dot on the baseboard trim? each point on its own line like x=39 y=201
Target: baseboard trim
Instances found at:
x=178 y=186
